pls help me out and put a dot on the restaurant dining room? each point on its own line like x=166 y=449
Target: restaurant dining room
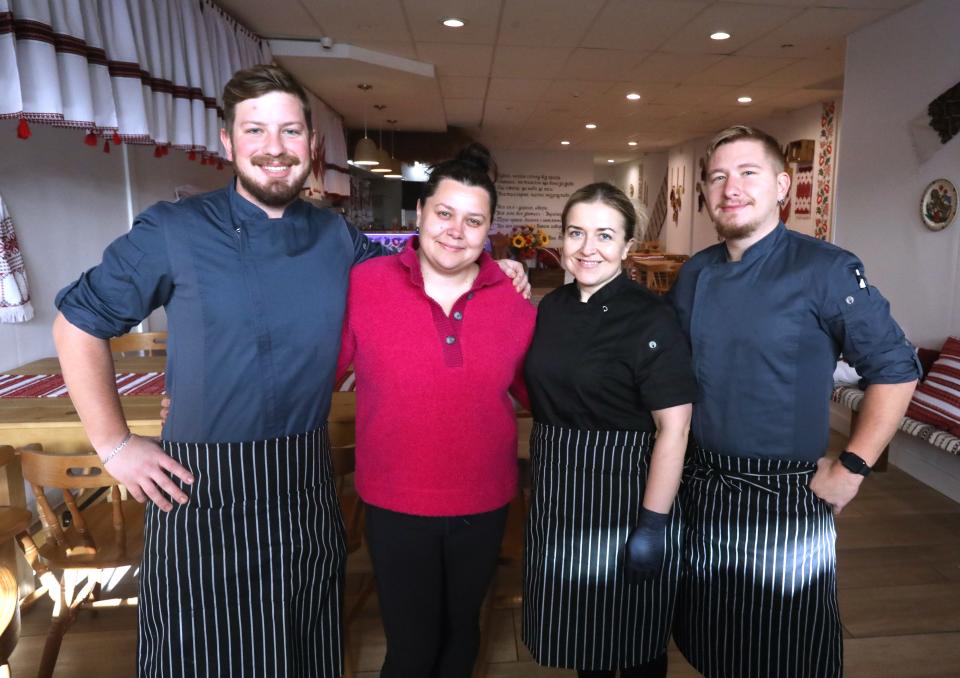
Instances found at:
x=403 y=338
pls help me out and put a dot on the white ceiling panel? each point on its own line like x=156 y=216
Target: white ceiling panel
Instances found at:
x=546 y=23
x=407 y=50
x=568 y=91
x=602 y=64
x=464 y=112
x=425 y=17
x=854 y=4
x=812 y=32
x=738 y=70
x=660 y=67
x=530 y=72
x=456 y=87
x=457 y=60
x=744 y=23
x=506 y=113
x=640 y=25
x=803 y=73
x=354 y=20
x=512 y=61
x=517 y=89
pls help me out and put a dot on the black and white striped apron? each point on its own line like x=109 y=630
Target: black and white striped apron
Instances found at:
x=759 y=595
x=578 y=610
x=246 y=578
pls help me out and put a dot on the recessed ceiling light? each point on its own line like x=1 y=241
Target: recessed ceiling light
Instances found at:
x=453 y=22
x=610 y=160
x=720 y=35
x=591 y=125
x=633 y=96
x=744 y=100
x=631 y=143
x=564 y=143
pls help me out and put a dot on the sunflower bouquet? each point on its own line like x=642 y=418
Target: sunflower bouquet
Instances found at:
x=524 y=240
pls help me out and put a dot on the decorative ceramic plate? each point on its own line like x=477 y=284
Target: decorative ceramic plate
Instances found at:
x=938 y=206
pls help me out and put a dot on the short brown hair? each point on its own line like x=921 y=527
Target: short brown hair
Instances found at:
x=607 y=194
x=256 y=81
x=741 y=132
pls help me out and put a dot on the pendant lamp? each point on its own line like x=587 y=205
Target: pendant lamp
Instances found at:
x=365 y=152
x=396 y=171
x=382 y=158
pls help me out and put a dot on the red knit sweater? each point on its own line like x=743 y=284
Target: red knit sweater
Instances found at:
x=436 y=433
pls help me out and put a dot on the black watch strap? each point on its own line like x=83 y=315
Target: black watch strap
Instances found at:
x=854 y=463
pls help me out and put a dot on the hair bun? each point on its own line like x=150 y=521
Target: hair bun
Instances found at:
x=476 y=154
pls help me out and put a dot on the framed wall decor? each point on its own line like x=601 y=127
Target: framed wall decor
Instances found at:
x=938 y=206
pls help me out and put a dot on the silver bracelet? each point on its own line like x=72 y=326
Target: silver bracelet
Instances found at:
x=118 y=448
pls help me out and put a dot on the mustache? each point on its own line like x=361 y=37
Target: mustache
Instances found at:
x=283 y=158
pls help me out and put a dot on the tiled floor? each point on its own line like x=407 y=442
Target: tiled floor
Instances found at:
x=899 y=579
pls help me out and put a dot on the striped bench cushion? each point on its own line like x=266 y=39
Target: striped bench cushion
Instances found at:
x=851 y=398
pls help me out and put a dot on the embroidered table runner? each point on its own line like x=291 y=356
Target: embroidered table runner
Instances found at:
x=52 y=386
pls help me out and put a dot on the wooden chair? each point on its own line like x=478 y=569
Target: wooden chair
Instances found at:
x=500 y=244
x=139 y=341
x=13 y=521
x=73 y=562
x=342 y=449
x=660 y=277
x=648 y=246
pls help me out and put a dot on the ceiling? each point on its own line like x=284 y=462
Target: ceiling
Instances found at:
x=526 y=74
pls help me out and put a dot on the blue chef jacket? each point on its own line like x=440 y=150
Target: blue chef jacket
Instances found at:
x=765 y=333
x=254 y=309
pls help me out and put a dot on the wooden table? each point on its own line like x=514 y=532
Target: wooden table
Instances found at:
x=644 y=268
x=54 y=423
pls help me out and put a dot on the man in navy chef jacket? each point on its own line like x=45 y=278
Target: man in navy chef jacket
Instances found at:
x=767 y=312
x=243 y=571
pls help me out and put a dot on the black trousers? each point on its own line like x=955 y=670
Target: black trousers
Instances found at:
x=432 y=574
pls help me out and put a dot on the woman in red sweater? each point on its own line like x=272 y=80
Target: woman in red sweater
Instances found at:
x=437 y=337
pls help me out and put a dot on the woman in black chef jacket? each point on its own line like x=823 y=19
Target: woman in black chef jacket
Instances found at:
x=611 y=387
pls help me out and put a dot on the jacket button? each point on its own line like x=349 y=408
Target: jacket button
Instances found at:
x=451 y=340
x=457 y=315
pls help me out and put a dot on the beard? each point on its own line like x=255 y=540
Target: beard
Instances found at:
x=274 y=192
x=735 y=231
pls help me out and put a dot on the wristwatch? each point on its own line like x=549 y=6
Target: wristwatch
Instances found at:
x=854 y=463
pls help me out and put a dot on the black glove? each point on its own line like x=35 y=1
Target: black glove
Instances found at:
x=646 y=544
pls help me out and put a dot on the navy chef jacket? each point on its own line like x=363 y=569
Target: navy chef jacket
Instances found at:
x=254 y=309
x=765 y=334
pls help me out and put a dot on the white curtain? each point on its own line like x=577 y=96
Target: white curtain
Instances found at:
x=330 y=174
x=145 y=71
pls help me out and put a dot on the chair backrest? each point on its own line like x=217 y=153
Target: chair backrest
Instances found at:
x=648 y=246
x=660 y=277
x=139 y=341
x=500 y=244
x=68 y=472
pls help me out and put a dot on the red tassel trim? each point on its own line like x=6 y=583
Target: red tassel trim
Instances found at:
x=192 y=155
x=116 y=138
x=106 y=146
x=157 y=152
x=23 y=129
x=90 y=139
x=220 y=164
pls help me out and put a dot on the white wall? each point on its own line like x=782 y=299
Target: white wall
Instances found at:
x=648 y=169
x=880 y=179
x=68 y=201
x=694 y=230
x=551 y=177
